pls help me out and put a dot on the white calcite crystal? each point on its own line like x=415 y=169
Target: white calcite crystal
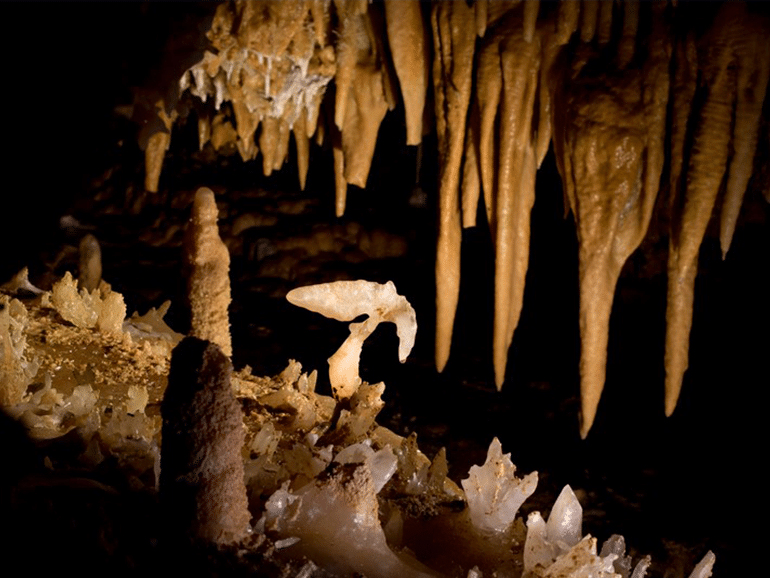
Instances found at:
x=152 y=326
x=382 y=463
x=547 y=541
x=494 y=493
x=20 y=283
x=346 y=300
x=16 y=370
x=47 y=413
x=616 y=545
x=336 y=520
x=704 y=567
x=582 y=562
x=102 y=309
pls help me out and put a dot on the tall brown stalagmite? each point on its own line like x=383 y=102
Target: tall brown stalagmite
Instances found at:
x=692 y=209
x=157 y=145
x=202 y=487
x=208 y=280
x=454 y=36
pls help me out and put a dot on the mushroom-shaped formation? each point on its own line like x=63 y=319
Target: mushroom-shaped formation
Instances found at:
x=346 y=300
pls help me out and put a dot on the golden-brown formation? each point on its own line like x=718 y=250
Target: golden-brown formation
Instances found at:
x=609 y=147
x=208 y=277
x=608 y=83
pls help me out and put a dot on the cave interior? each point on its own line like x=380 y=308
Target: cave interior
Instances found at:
x=669 y=484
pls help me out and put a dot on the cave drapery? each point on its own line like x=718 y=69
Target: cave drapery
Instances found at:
x=654 y=112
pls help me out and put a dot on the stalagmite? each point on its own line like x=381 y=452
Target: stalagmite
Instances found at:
x=752 y=57
x=692 y=211
x=515 y=190
x=90 y=263
x=202 y=487
x=454 y=38
x=208 y=278
x=409 y=47
x=157 y=145
x=611 y=143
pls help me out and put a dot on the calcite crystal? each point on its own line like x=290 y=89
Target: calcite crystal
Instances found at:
x=16 y=370
x=346 y=300
x=101 y=308
x=494 y=493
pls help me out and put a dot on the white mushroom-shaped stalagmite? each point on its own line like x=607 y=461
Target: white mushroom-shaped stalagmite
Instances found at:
x=346 y=300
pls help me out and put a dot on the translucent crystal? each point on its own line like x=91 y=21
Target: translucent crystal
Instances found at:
x=704 y=567
x=494 y=493
x=346 y=300
x=566 y=519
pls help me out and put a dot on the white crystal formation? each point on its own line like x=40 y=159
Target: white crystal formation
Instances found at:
x=346 y=300
x=494 y=493
x=337 y=523
x=547 y=541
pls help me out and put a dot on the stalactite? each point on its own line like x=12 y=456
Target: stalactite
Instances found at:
x=752 y=58
x=707 y=165
x=453 y=38
x=515 y=191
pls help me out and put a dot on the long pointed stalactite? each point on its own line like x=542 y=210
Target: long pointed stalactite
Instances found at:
x=642 y=102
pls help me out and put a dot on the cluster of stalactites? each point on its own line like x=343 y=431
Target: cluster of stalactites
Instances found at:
x=505 y=88
x=272 y=62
